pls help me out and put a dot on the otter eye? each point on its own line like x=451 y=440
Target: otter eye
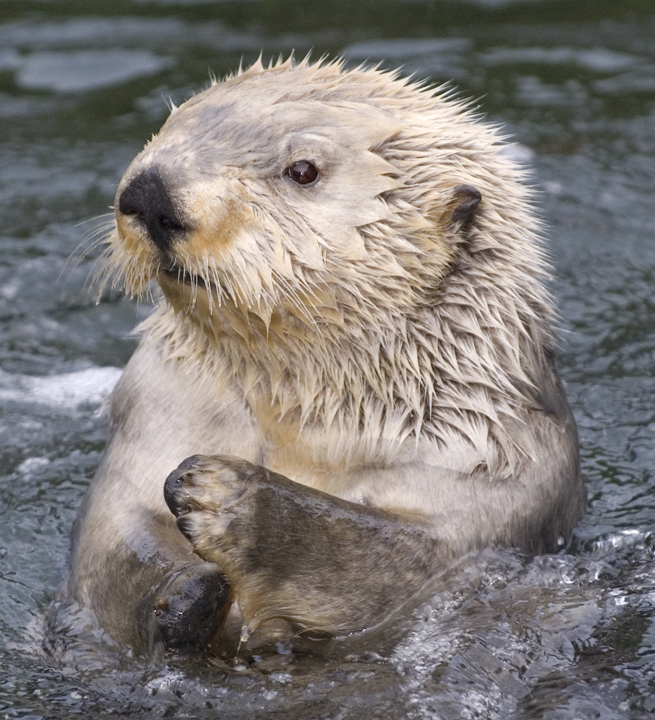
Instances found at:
x=302 y=172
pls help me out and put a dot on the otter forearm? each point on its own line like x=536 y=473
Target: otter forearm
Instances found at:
x=290 y=551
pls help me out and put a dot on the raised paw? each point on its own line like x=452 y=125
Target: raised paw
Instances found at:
x=252 y=523
x=294 y=552
x=207 y=483
x=214 y=501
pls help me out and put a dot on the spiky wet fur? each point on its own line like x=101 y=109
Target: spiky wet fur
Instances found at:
x=411 y=325
x=377 y=341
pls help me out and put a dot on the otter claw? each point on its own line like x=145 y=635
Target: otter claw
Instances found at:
x=172 y=492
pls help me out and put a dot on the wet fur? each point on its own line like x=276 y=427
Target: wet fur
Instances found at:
x=382 y=339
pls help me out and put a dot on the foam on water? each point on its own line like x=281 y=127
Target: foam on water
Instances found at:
x=64 y=392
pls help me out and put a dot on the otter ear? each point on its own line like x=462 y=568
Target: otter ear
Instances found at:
x=464 y=203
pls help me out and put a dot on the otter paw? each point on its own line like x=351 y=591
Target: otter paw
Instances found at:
x=190 y=606
x=207 y=483
x=213 y=500
x=255 y=525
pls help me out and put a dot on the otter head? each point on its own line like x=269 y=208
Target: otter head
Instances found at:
x=287 y=196
x=352 y=243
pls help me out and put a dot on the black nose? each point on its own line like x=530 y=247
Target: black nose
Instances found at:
x=147 y=198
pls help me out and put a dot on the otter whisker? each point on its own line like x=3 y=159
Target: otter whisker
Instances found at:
x=95 y=238
x=206 y=276
x=101 y=270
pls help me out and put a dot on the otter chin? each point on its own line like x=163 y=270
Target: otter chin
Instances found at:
x=348 y=381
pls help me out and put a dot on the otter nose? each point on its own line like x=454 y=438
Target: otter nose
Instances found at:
x=146 y=198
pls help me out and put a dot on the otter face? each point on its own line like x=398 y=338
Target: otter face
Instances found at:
x=286 y=197
x=253 y=206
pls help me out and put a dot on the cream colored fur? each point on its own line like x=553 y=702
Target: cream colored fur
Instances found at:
x=351 y=335
x=336 y=309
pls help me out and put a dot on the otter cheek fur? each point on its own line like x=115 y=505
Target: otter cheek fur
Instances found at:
x=348 y=379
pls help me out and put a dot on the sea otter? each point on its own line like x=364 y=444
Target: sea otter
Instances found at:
x=351 y=362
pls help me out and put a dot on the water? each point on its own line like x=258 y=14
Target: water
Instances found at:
x=82 y=86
